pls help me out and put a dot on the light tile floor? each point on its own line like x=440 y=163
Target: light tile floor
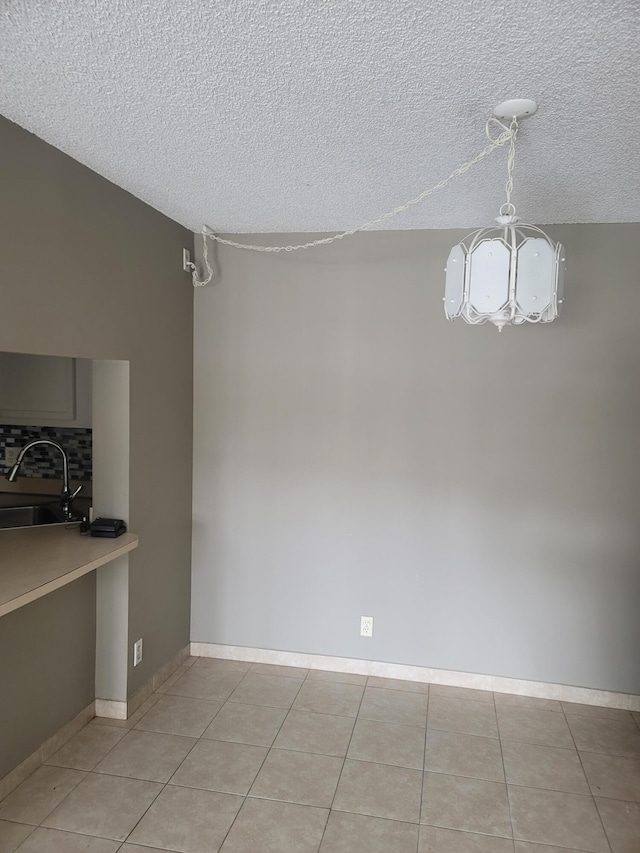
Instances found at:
x=252 y=758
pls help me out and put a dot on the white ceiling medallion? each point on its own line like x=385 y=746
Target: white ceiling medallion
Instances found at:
x=511 y=273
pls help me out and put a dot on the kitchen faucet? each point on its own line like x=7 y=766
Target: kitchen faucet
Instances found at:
x=66 y=496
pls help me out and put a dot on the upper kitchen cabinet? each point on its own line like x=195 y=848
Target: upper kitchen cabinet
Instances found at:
x=45 y=390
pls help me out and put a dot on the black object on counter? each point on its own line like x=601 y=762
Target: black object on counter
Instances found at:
x=108 y=528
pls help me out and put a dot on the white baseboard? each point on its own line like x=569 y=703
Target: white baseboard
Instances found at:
x=496 y=683
x=110 y=708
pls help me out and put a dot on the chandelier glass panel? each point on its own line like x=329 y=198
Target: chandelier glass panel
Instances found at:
x=507 y=274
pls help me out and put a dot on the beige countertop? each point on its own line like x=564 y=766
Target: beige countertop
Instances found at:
x=35 y=561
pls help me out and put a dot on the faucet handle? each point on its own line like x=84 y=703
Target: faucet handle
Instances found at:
x=79 y=489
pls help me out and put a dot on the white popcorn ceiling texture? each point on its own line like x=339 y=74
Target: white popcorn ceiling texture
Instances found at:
x=317 y=115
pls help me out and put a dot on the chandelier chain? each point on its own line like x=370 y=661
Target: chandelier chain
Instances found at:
x=511 y=161
x=507 y=134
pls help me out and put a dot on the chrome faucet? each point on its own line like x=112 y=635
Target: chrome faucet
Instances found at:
x=66 y=496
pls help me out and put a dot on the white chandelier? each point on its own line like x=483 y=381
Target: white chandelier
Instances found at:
x=511 y=273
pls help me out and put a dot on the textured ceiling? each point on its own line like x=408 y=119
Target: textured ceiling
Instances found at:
x=317 y=115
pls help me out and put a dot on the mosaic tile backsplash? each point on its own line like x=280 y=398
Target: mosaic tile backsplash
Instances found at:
x=45 y=462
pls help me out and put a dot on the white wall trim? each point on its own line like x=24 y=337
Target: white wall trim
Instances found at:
x=496 y=683
x=112 y=709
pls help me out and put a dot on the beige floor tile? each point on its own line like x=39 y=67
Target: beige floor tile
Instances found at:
x=179 y=715
x=388 y=743
x=353 y=833
x=187 y=820
x=596 y=711
x=398 y=684
x=148 y=703
x=622 y=824
x=12 y=835
x=461 y=693
x=527 y=702
x=87 y=748
x=550 y=817
x=146 y=755
x=464 y=755
x=39 y=795
x=376 y=792
x=222 y=664
x=613 y=776
x=107 y=806
x=276 y=691
x=636 y=717
x=138 y=848
x=325 y=734
x=298 y=777
x=457 y=802
x=267 y=826
x=394 y=706
x=532 y=725
x=171 y=680
x=462 y=715
x=548 y=767
x=329 y=697
x=433 y=839
x=529 y=847
x=379 y=790
x=278 y=669
x=112 y=722
x=190 y=660
x=202 y=683
x=616 y=737
x=253 y=724
x=220 y=766
x=55 y=841
x=338 y=677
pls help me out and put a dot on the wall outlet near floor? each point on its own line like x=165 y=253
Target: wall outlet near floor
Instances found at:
x=11 y=456
x=137 y=652
x=366 y=626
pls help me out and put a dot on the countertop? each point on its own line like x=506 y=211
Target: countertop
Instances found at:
x=35 y=561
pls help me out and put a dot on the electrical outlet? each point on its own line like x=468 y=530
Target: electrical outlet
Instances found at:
x=366 y=626
x=11 y=456
x=137 y=652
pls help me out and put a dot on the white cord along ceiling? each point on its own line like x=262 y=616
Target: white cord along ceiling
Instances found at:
x=316 y=115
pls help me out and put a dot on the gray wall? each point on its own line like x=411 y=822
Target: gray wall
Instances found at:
x=477 y=493
x=87 y=270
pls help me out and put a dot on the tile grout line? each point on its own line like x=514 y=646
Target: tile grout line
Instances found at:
x=593 y=799
x=424 y=762
x=86 y=773
x=344 y=761
x=166 y=784
x=504 y=770
x=245 y=797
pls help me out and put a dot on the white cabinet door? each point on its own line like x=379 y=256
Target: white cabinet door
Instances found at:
x=36 y=388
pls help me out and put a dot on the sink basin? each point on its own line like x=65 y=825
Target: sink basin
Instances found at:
x=28 y=516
